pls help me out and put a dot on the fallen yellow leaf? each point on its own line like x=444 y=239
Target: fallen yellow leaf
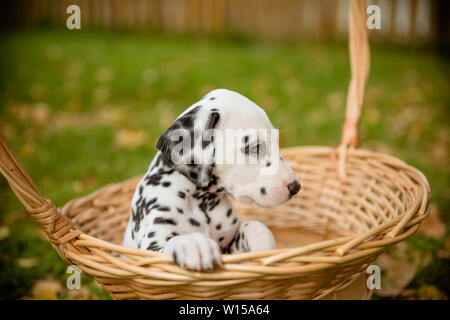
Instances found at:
x=432 y=226
x=27 y=262
x=47 y=289
x=429 y=292
x=4 y=232
x=126 y=138
x=398 y=274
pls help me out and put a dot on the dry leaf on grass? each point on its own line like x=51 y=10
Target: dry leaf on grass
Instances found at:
x=37 y=113
x=88 y=180
x=126 y=138
x=445 y=253
x=107 y=115
x=28 y=149
x=399 y=266
x=398 y=274
x=46 y=289
x=432 y=226
x=4 y=232
x=77 y=186
x=165 y=114
x=81 y=294
x=40 y=234
x=104 y=74
x=27 y=262
x=441 y=146
x=447 y=243
x=429 y=292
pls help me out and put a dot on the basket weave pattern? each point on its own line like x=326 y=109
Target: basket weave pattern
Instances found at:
x=381 y=204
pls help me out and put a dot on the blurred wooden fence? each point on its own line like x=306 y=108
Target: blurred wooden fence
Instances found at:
x=401 y=20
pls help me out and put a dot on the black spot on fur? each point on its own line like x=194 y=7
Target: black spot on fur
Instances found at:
x=211 y=196
x=180 y=210
x=148 y=204
x=160 y=160
x=227 y=249
x=166 y=184
x=193 y=175
x=151 y=234
x=203 y=207
x=229 y=212
x=213 y=182
x=263 y=191
x=156 y=206
x=213 y=118
x=214 y=204
x=142 y=207
x=208 y=202
x=194 y=222
x=181 y=194
x=221 y=239
x=187 y=120
x=165 y=208
x=246 y=149
x=154 y=246
x=161 y=220
x=153 y=179
x=219 y=226
x=238 y=238
x=268 y=164
x=234 y=221
x=162 y=172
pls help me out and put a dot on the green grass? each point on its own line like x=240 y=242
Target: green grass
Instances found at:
x=64 y=96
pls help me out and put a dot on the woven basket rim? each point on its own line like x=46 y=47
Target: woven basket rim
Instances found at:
x=369 y=248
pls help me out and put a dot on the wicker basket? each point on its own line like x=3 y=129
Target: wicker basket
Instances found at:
x=355 y=202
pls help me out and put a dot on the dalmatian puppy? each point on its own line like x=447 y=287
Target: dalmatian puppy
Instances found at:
x=183 y=209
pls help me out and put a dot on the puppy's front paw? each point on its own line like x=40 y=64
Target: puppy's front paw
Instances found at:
x=194 y=251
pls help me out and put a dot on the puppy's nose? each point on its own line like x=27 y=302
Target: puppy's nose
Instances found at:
x=293 y=187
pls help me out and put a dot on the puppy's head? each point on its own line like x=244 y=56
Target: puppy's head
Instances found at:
x=227 y=140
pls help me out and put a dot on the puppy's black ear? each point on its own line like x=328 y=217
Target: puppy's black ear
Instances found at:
x=186 y=149
x=174 y=135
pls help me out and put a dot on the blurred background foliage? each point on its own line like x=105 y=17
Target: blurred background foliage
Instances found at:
x=83 y=109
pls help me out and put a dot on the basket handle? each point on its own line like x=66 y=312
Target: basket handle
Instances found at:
x=58 y=228
x=359 y=66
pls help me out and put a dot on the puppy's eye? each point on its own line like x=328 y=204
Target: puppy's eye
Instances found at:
x=258 y=149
